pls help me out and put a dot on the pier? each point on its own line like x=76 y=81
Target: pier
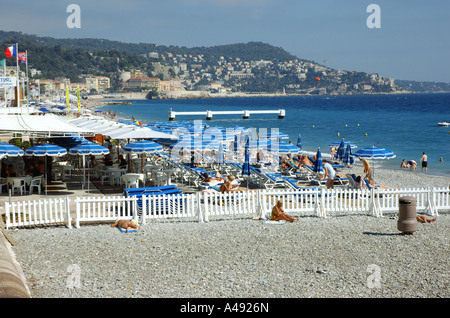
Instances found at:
x=244 y=113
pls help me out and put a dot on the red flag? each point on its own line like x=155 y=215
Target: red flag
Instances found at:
x=22 y=56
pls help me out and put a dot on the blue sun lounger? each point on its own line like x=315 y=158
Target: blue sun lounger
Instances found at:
x=163 y=205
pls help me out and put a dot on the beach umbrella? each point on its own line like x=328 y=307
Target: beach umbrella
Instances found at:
x=338 y=143
x=374 y=153
x=340 y=151
x=221 y=154
x=348 y=157
x=318 y=166
x=246 y=166
x=283 y=147
x=9 y=150
x=299 y=142
x=46 y=150
x=142 y=147
x=88 y=148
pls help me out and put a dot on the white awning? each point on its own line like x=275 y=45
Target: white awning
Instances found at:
x=46 y=125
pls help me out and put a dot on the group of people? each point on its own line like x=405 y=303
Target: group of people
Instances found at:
x=413 y=164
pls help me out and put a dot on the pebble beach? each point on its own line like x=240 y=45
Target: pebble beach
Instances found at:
x=342 y=256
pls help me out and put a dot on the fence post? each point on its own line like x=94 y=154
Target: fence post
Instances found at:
x=201 y=219
x=144 y=208
x=375 y=208
x=67 y=208
x=7 y=214
x=320 y=202
x=77 y=215
x=259 y=207
x=431 y=207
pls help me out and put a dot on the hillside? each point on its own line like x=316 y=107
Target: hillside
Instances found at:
x=242 y=67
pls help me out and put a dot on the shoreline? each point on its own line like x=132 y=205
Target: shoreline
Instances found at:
x=96 y=104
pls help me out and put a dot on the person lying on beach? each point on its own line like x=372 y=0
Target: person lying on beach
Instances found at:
x=305 y=161
x=359 y=183
x=278 y=213
x=423 y=219
x=228 y=186
x=126 y=225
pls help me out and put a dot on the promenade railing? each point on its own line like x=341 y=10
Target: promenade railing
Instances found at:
x=205 y=206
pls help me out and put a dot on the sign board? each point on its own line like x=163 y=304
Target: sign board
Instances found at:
x=8 y=82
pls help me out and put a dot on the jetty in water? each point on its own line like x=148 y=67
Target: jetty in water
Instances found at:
x=244 y=113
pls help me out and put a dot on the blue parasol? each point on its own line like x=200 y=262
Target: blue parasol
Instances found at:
x=283 y=147
x=246 y=165
x=10 y=150
x=348 y=157
x=142 y=147
x=318 y=166
x=88 y=148
x=299 y=142
x=46 y=150
x=374 y=153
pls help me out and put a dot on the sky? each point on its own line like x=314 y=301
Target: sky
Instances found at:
x=412 y=42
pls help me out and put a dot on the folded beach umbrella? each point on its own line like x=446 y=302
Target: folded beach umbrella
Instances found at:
x=299 y=142
x=221 y=154
x=318 y=167
x=340 y=151
x=348 y=157
x=246 y=165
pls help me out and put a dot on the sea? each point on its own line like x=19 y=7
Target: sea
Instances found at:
x=406 y=124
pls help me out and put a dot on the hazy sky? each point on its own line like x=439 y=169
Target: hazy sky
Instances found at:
x=412 y=43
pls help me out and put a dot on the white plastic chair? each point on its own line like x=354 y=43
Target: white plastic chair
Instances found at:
x=36 y=183
x=3 y=183
x=130 y=181
x=17 y=184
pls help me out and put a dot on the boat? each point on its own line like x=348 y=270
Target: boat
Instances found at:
x=444 y=123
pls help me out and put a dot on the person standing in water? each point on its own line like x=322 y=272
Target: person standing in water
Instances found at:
x=424 y=161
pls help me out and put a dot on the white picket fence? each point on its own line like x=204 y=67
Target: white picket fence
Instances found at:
x=205 y=206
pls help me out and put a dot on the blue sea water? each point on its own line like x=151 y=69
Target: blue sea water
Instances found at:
x=405 y=124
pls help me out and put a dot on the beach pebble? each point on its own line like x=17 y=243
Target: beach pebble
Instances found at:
x=240 y=258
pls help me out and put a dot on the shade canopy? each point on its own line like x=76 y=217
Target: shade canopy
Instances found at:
x=48 y=125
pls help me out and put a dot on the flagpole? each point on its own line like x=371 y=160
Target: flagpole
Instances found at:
x=28 y=81
x=18 y=75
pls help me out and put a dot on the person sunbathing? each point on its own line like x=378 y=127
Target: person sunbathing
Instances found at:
x=279 y=215
x=126 y=225
x=424 y=219
x=228 y=186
